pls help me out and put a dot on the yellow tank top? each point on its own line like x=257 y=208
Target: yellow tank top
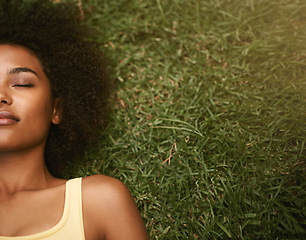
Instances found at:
x=70 y=227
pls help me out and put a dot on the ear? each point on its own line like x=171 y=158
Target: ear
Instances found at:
x=57 y=112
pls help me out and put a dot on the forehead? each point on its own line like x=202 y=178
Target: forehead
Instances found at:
x=17 y=56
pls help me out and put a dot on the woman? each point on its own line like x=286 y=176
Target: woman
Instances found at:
x=53 y=97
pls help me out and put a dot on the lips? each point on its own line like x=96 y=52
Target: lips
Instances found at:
x=6 y=118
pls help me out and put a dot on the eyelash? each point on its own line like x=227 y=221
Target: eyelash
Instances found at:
x=24 y=85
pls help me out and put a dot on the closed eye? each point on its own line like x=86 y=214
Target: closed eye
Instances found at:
x=23 y=85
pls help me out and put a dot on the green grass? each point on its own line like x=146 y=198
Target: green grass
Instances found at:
x=208 y=124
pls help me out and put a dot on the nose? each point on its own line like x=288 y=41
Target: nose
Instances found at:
x=5 y=98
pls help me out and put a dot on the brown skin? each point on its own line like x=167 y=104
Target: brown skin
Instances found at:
x=31 y=199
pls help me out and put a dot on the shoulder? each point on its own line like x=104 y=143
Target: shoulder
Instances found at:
x=109 y=206
x=104 y=191
x=102 y=183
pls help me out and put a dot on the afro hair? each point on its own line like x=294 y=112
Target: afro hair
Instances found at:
x=74 y=65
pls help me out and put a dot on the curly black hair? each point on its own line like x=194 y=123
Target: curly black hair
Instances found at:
x=74 y=65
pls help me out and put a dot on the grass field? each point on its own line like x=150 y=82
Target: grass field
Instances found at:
x=208 y=124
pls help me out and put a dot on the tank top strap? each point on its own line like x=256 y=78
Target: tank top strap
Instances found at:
x=73 y=206
x=73 y=196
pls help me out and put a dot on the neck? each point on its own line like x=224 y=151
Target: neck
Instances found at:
x=23 y=170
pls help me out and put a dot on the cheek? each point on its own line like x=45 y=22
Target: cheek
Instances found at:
x=44 y=110
x=38 y=109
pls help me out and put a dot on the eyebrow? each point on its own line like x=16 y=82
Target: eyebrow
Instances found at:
x=22 y=69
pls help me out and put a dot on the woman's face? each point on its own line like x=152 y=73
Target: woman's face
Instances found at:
x=26 y=107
